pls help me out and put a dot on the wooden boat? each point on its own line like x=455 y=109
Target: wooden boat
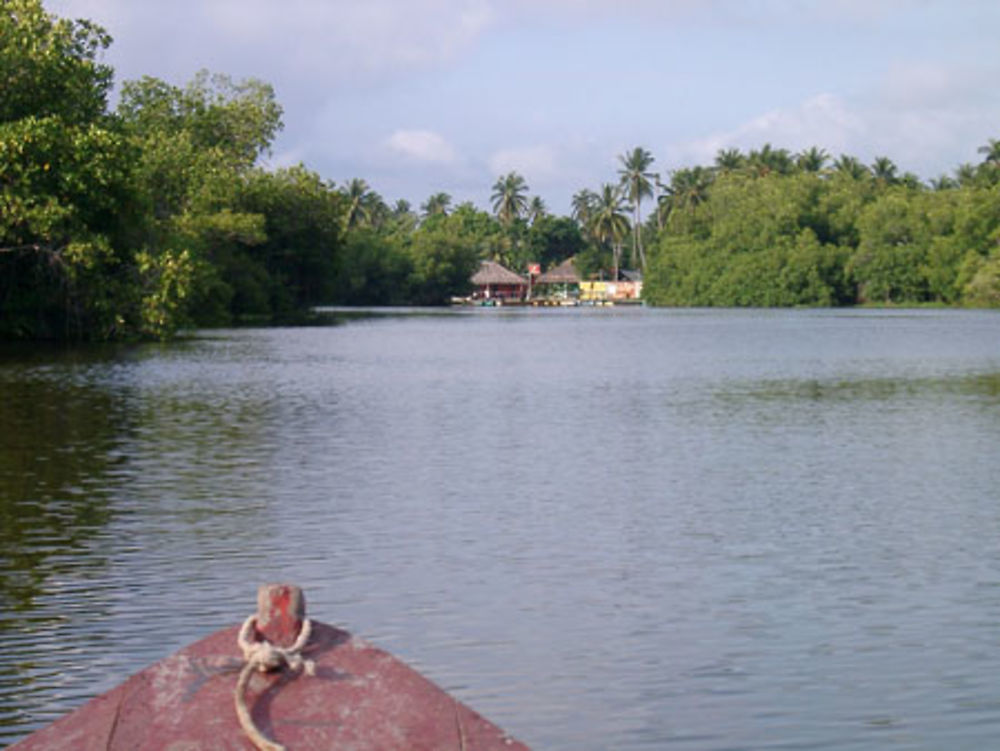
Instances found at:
x=279 y=681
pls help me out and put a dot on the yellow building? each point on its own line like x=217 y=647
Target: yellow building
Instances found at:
x=610 y=291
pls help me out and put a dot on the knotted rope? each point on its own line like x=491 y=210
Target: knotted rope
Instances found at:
x=263 y=656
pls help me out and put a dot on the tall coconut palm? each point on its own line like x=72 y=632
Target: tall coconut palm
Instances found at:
x=729 y=160
x=437 y=203
x=664 y=204
x=583 y=202
x=537 y=209
x=689 y=187
x=767 y=159
x=992 y=152
x=850 y=166
x=359 y=202
x=402 y=215
x=944 y=182
x=377 y=209
x=812 y=159
x=609 y=223
x=637 y=181
x=884 y=170
x=509 y=201
x=965 y=174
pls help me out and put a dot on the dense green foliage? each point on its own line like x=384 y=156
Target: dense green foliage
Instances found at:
x=135 y=222
x=64 y=173
x=767 y=229
x=138 y=221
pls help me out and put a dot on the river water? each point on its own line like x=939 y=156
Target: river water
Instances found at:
x=603 y=529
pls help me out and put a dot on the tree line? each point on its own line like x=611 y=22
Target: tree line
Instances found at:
x=769 y=228
x=136 y=221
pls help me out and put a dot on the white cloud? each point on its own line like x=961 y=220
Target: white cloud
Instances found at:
x=421 y=145
x=824 y=120
x=919 y=117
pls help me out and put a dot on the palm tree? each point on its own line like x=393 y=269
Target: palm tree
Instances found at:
x=664 y=204
x=768 y=159
x=359 y=203
x=637 y=183
x=850 y=166
x=992 y=152
x=377 y=209
x=402 y=216
x=812 y=159
x=944 y=182
x=965 y=174
x=884 y=170
x=437 y=203
x=689 y=187
x=729 y=160
x=608 y=223
x=509 y=202
x=911 y=180
x=537 y=209
x=583 y=202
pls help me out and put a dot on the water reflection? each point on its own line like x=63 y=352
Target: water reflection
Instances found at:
x=110 y=501
x=985 y=387
x=59 y=447
x=56 y=449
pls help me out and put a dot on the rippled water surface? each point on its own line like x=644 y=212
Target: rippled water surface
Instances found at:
x=628 y=529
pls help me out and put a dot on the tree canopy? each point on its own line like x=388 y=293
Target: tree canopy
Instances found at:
x=810 y=235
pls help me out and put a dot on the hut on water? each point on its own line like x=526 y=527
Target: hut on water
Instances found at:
x=561 y=282
x=494 y=282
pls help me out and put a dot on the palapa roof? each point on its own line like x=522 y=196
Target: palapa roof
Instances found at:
x=564 y=273
x=491 y=272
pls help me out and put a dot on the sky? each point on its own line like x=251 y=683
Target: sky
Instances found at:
x=422 y=96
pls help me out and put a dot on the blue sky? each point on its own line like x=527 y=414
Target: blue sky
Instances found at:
x=420 y=96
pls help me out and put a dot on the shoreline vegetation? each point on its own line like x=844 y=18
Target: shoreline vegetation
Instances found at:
x=135 y=222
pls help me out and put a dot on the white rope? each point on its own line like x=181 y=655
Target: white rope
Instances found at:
x=263 y=656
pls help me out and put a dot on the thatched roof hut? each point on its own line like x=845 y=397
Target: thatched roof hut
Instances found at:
x=564 y=273
x=491 y=274
x=494 y=282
